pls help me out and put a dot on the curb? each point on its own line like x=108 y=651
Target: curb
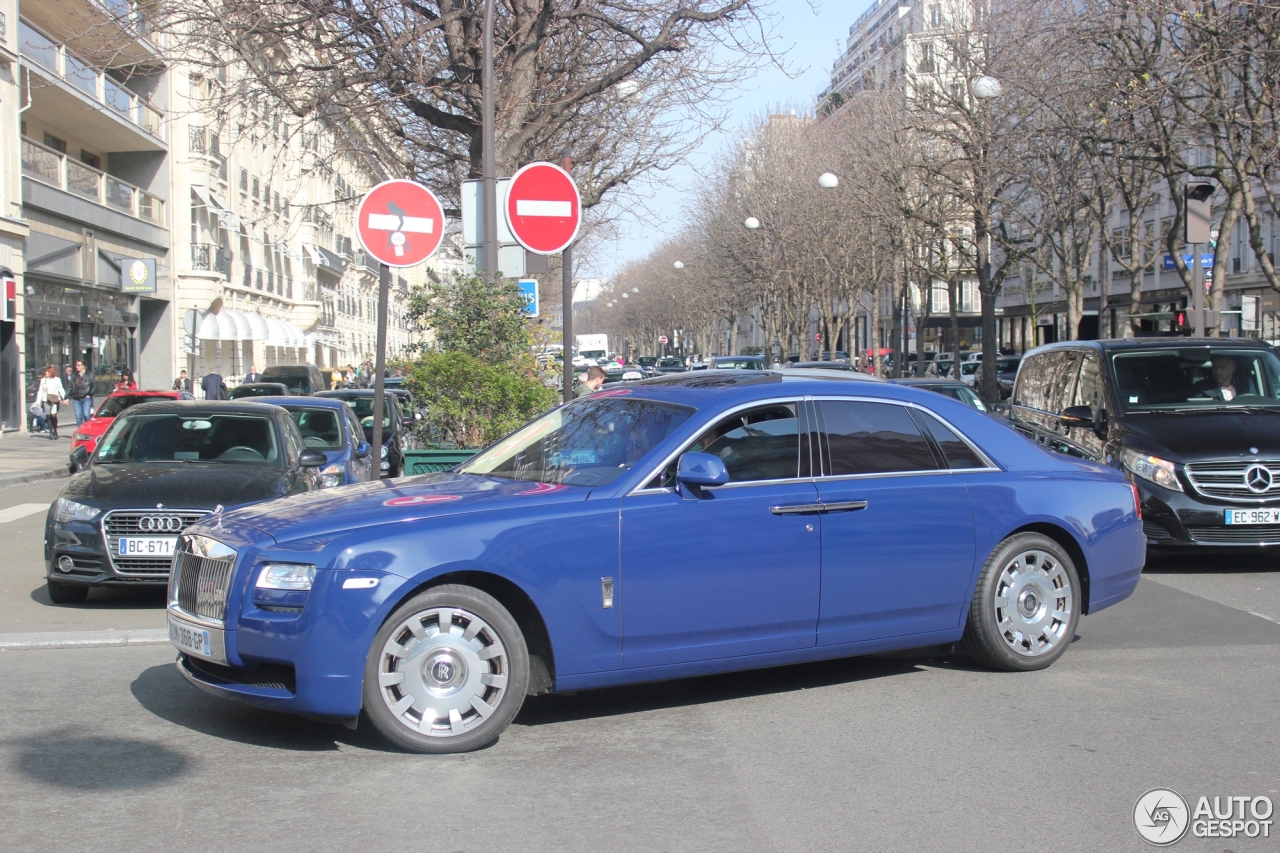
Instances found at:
x=18 y=479
x=84 y=639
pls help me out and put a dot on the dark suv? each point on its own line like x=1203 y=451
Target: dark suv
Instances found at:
x=301 y=379
x=1195 y=423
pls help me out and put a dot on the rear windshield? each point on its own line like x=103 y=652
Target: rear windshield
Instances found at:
x=190 y=438
x=297 y=381
x=254 y=390
x=1191 y=378
x=113 y=406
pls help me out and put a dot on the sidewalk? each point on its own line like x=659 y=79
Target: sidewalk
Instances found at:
x=25 y=458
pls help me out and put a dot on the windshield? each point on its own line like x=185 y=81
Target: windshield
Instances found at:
x=1196 y=378
x=739 y=363
x=297 y=383
x=319 y=427
x=254 y=390
x=363 y=407
x=1007 y=365
x=589 y=443
x=962 y=393
x=190 y=438
x=969 y=368
x=592 y=353
x=647 y=360
x=113 y=406
x=671 y=362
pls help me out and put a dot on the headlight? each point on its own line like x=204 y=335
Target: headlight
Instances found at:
x=286 y=576
x=81 y=437
x=1158 y=471
x=384 y=451
x=332 y=476
x=72 y=511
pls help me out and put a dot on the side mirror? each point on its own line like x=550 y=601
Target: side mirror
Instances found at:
x=312 y=458
x=1076 y=416
x=1001 y=408
x=363 y=449
x=78 y=460
x=701 y=469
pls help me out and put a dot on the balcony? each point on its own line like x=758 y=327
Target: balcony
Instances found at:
x=80 y=82
x=208 y=257
x=56 y=169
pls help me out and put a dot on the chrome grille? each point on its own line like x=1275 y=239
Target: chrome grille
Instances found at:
x=202 y=570
x=1245 y=534
x=129 y=522
x=1226 y=479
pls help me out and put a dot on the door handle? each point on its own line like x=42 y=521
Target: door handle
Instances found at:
x=811 y=509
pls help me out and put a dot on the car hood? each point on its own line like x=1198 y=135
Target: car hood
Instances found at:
x=330 y=511
x=1197 y=436
x=177 y=485
x=94 y=426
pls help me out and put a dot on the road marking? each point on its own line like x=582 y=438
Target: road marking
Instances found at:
x=81 y=639
x=14 y=513
x=1260 y=615
x=533 y=207
x=409 y=224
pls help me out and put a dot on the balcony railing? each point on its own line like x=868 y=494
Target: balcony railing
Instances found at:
x=53 y=167
x=93 y=83
x=208 y=256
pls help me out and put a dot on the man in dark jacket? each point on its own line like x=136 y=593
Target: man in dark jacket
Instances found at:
x=253 y=375
x=183 y=382
x=214 y=386
x=80 y=390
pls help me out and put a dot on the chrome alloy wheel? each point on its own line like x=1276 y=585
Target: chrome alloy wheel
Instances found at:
x=1033 y=603
x=443 y=671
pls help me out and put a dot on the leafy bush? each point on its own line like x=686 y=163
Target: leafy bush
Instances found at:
x=471 y=402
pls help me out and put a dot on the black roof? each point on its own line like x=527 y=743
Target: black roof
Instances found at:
x=928 y=380
x=198 y=407
x=345 y=393
x=1138 y=344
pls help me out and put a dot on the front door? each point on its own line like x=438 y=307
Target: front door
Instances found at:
x=898 y=542
x=728 y=571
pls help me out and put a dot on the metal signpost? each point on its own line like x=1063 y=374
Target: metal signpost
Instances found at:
x=401 y=224
x=1197 y=223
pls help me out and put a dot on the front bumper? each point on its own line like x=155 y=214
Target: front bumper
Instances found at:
x=84 y=544
x=1191 y=523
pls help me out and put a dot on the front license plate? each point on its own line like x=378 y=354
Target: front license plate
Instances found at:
x=189 y=638
x=147 y=546
x=1253 y=516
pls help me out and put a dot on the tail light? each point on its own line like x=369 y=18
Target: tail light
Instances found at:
x=1137 y=502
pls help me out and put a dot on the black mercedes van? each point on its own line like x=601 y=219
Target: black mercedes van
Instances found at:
x=1194 y=422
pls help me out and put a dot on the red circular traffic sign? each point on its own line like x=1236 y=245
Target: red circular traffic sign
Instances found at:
x=544 y=209
x=662 y=339
x=400 y=223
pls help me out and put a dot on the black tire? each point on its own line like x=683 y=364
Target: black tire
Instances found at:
x=1044 y=585
x=498 y=631
x=66 y=593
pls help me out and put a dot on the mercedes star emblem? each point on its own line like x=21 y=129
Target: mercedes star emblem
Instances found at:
x=1257 y=478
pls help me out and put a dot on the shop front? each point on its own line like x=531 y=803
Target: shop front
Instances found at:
x=65 y=324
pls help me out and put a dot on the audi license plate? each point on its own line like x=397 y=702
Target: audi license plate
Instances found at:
x=1253 y=516
x=150 y=546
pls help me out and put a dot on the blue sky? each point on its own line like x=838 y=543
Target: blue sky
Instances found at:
x=812 y=36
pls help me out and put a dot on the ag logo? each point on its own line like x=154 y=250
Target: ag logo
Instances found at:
x=1161 y=817
x=138 y=272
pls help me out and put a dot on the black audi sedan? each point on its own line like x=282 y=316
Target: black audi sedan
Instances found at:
x=1195 y=423
x=160 y=468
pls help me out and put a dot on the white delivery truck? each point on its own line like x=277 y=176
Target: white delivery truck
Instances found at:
x=593 y=348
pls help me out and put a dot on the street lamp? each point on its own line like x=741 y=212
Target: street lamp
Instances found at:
x=635 y=290
x=752 y=223
x=828 y=181
x=986 y=87
x=678 y=265
x=626 y=295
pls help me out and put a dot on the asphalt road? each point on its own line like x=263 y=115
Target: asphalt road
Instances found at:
x=109 y=749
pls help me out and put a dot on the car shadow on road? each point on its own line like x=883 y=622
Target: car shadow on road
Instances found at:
x=164 y=692
x=66 y=760
x=631 y=699
x=109 y=598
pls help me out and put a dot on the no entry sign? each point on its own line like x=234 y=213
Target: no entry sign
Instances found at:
x=400 y=223
x=543 y=208
x=662 y=339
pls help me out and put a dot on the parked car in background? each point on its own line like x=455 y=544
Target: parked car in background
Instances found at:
x=161 y=467
x=393 y=427
x=1006 y=373
x=301 y=379
x=671 y=364
x=648 y=365
x=1195 y=423
x=736 y=362
x=818 y=365
x=432 y=606
x=87 y=434
x=259 y=389
x=958 y=391
x=331 y=427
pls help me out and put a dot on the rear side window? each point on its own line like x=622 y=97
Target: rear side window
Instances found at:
x=958 y=453
x=1031 y=382
x=873 y=438
x=1047 y=381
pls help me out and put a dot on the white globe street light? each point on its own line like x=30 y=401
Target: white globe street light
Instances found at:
x=635 y=290
x=752 y=223
x=828 y=181
x=986 y=88
x=626 y=295
x=678 y=265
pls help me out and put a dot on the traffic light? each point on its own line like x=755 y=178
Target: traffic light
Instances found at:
x=1197 y=212
x=1180 y=320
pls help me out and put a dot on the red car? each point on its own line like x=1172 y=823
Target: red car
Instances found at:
x=88 y=433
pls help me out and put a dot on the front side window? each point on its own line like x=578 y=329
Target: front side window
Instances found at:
x=763 y=443
x=588 y=443
x=873 y=438
x=1089 y=386
x=320 y=428
x=1187 y=378
x=190 y=438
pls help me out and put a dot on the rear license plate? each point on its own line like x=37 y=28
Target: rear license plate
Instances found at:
x=1252 y=516
x=147 y=546
x=189 y=638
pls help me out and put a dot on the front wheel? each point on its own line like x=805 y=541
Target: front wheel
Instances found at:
x=66 y=593
x=447 y=671
x=1026 y=606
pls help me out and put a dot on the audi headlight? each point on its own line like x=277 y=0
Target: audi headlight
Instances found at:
x=72 y=511
x=384 y=451
x=82 y=437
x=1151 y=468
x=332 y=476
x=286 y=576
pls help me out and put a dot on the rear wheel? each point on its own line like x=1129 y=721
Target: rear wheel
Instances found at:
x=1026 y=606
x=447 y=671
x=66 y=593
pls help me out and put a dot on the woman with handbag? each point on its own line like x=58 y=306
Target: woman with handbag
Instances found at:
x=50 y=394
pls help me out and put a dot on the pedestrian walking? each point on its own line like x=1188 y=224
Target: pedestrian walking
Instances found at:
x=126 y=381
x=79 y=389
x=214 y=386
x=253 y=375
x=183 y=382
x=50 y=394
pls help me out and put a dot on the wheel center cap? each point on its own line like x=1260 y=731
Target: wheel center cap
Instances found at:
x=1028 y=603
x=443 y=671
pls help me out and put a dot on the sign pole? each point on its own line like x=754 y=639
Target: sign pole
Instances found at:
x=380 y=365
x=489 y=156
x=566 y=278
